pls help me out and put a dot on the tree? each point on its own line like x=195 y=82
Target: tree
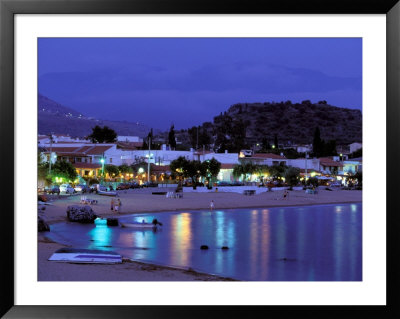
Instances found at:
x=358 y=177
x=262 y=170
x=204 y=138
x=318 y=144
x=238 y=170
x=171 y=137
x=355 y=154
x=291 y=153
x=313 y=181
x=329 y=148
x=292 y=176
x=64 y=170
x=179 y=166
x=211 y=169
x=238 y=135
x=102 y=135
x=277 y=171
x=265 y=146
x=193 y=131
x=111 y=170
x=194 y=170
x=125 y=169
x=43 y=170
x=244 y=170
x=138 y=165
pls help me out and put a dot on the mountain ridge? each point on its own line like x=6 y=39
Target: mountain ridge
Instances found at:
x=56 y=118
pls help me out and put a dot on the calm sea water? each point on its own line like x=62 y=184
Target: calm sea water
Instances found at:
x=309 y=243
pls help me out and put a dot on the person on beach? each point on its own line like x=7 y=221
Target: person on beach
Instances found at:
x=112 y=203
x=212 y=205
x=119 y=205
x=285 y=194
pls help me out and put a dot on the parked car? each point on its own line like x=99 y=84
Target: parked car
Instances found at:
x=237 y=183
x=150 y=184
x=122 y=186
x=134 y=185
x=222 y=183
x=98 y=187
x=54 y=190
x=335 y=185
x=66 y=188
x=81 y=188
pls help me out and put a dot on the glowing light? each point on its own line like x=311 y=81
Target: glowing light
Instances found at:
x=141 y=170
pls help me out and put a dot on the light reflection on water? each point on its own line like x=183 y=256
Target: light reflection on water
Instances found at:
x=315 y=243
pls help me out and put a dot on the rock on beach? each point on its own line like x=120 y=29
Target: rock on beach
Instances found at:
x=42 y=225
x=81 y=214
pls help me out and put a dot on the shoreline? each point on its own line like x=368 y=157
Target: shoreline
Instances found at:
x=143 y=202
x=128 y=265
x=158 y=204
x=193 y=210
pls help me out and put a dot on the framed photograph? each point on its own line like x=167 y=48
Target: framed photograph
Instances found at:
x=172 y=158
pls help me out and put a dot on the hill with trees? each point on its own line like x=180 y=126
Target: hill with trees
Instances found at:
x=245 y=125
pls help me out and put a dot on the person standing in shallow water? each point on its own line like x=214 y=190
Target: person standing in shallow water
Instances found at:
x=212 y=205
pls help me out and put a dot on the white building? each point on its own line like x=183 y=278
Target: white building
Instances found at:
x=304 y=148
x=269 y=159
x=352 y=166
x=302 y=163
x=130 y=139
x=43 y=140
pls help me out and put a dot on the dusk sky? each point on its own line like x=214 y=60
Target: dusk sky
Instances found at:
x=188 y=81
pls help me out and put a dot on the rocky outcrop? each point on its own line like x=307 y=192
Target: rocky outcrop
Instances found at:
x=81 y=214
x=42 y=225
x=112 y=222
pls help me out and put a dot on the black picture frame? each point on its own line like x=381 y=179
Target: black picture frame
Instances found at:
x=9 y=8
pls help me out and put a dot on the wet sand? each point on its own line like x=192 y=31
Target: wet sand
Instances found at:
x=127 y=271
x=142 y=200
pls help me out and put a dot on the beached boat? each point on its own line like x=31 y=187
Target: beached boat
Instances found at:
x=107 y=193
x=139 y=225
x=100 y=221
x=85 y=256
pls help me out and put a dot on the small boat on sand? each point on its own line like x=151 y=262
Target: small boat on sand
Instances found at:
x=139 y=225
x=86 y=256
x=100 y=221
x=143 y=225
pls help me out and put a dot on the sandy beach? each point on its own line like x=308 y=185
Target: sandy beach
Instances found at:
x=142 y=200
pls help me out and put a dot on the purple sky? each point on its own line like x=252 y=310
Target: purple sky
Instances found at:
x=187 y=81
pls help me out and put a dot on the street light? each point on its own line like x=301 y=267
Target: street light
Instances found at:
x=102 y=169
x=306 y=166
